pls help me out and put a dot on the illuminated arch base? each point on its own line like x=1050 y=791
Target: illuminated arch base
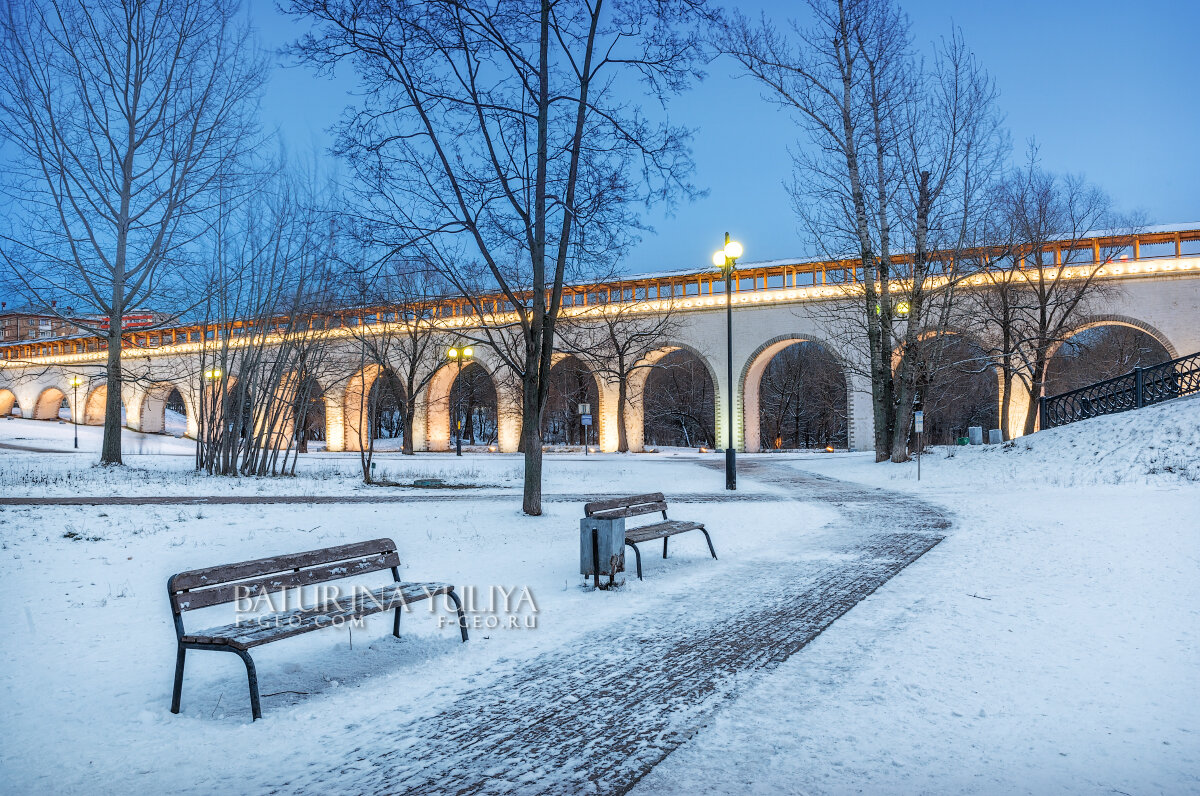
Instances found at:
x=635 y=412
x=433 y=407
x=751 y=385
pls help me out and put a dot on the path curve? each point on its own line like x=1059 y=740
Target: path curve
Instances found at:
x=596 y=718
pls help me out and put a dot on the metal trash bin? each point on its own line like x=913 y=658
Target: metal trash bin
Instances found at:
x=602 y=540
x=975 y=434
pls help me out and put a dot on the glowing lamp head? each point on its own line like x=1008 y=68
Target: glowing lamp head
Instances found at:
x=212 y=375
x=719 y=259
x=452 y=353
x=77 y=381
x=902 y=307
x=733 y=250
x=468 y=352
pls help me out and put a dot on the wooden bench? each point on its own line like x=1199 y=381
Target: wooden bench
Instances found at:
x=635 y=505
x=249 y=582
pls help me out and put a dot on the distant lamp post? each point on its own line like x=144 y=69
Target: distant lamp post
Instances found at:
x=212 y=374
x=903 y=308
x=76 y=383
x=726 y=260
x=459 y=355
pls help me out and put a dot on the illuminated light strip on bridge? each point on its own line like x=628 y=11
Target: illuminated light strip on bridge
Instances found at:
x=196 y=338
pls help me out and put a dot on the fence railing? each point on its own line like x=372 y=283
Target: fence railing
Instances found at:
x=1138 y=388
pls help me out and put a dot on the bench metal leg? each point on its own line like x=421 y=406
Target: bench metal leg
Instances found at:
x=252 y=678
x=709 y=540
x=396 y=623
x=177 y=694
x=665 y=538
x=462 y=618
x=638 y=556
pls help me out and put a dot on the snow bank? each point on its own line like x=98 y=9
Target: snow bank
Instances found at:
x=1155 y=446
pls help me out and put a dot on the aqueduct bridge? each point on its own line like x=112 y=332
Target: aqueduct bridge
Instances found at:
x=1155 y=278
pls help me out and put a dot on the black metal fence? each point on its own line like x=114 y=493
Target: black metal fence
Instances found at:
x=1141 y=387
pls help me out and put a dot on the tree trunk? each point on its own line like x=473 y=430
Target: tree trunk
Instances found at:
x=406 y=425
x=1036 y=386
x=531 y=437
x=110 y=450
x=622 y=433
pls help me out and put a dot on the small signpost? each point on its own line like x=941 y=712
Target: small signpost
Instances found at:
x=585 y=420
x=919 y=426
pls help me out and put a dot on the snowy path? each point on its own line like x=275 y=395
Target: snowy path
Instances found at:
x=596 y=719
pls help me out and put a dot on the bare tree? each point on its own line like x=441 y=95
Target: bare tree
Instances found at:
x=266 y=321
x=845 y=77
x=399 y=332
x=126 y=117
x=900 y=159
x=1046 y=277
x=502 y=122
x=950 y=156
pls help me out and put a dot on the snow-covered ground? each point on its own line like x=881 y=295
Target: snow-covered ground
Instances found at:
x=160 y=465
x=1051 y=643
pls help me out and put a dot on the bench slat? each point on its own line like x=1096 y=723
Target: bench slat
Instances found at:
x=279 y=581
x=629 y=511
x=659 y=530
x=590 y=509
x=224 y=573
x=252 y=632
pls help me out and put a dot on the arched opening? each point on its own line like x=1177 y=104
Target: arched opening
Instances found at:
x=802 y=399
x=385 y=405
x=679 y=402
x=473 y=407
x=163 y=411
x=957 y=388
x=52 y=404
x=1099 y=353
x=175 y=412
x=8 y=403
x=570 y=384
x=309 y=410
x=95 y=406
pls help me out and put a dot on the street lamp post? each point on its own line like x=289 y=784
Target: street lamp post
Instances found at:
x=726 y=260
x=459 y=355
x=76 y=383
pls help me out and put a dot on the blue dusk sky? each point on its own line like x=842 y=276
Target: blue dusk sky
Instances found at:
x=1108 y=89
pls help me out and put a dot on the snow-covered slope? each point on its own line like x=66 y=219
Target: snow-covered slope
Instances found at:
x=1158 y=445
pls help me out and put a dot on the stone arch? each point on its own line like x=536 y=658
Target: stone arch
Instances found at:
x=1092 y=321
x=356 y=406
x=750 y=383
x=8 y=400
x=48 y=403
x=1101 y=349
x=94 y=405
x=474 y=390
x=635 y=417
x=594 y=390
x=935 y=422
x=309 y=390
x=438 y=422
x=153 y=412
